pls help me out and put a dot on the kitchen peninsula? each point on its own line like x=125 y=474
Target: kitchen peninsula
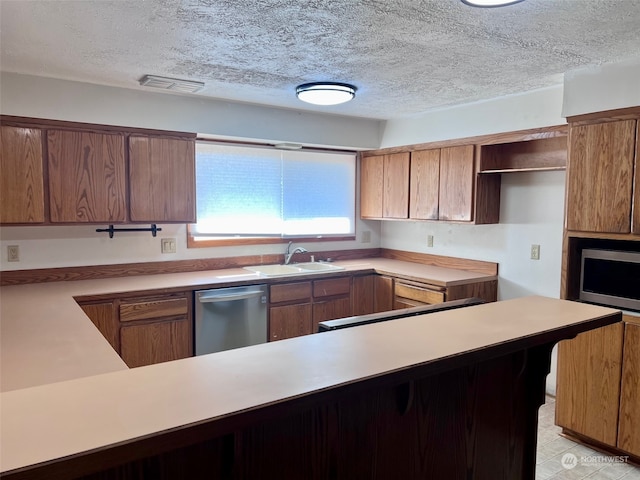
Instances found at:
x=446 y=395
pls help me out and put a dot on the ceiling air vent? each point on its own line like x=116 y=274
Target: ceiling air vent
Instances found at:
x=173 y=84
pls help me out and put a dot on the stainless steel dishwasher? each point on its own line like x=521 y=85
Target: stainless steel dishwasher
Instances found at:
x=229 y=318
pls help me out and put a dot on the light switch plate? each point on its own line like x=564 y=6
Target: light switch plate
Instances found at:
x=13 y=253
x=429 y=240
x=168 y=245
x=366 y=237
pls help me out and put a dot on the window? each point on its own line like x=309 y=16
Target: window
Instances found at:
x=249 y=192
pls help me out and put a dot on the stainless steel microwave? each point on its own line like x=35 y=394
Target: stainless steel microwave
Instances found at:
x=611 y=277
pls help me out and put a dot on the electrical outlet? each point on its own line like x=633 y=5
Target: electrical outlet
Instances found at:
x=535 y=252
x=13 y=253
x=429 y=240
x=168 y=245
x=366 y=237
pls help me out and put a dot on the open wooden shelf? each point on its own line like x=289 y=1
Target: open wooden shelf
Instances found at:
x=541 y=154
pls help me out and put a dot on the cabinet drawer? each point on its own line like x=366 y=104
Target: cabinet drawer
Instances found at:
x=289 y=292
x=331 y=286
x=419 y=294
x=153 y=309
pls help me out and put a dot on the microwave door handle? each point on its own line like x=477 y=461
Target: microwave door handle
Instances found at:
x=232 y=297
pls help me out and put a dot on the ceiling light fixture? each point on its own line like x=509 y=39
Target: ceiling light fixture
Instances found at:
x=490 y=3
x=325 y=93
x=173 y=84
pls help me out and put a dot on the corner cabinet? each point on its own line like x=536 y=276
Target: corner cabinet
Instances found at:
x=56 y=172
x=21 y=175
x=600 y=177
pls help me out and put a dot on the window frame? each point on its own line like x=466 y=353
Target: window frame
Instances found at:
x=199 y=241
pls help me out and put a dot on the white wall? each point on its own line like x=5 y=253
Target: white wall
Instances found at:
x=30 y=96
x=531 y=204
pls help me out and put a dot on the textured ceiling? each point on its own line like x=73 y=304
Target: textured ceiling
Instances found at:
x=404 y=56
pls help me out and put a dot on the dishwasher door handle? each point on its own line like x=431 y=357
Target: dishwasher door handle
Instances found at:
x=229 y=297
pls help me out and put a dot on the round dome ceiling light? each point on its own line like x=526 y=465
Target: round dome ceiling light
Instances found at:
x=490 y=3
x=325 y=93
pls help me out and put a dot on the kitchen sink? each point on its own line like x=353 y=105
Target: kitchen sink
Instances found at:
x=296 y=269
x=318 y=267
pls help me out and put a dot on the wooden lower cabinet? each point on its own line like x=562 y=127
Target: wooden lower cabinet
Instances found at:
x=290 y=321
x=629 y=421
x=598 y=387
x=155 y=342
x=362 y=293
x=383 y=294
x=330 y=310
x=146 y=330
x=413 y=294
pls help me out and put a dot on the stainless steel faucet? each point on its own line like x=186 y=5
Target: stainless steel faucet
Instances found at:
x=288 y=255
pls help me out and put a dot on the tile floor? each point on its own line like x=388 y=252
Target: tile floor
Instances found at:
x=587 y=463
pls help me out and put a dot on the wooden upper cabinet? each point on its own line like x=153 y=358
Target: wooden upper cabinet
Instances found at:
x=384 y=186
x=161 y=179
x=21 y=178
x=371 y=186
x=600 y=176
x=395 y=199
x=424 y=185
x=86 y=177
x=457 y=175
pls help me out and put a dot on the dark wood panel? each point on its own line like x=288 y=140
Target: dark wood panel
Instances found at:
x=290 y=321
x=331 y=286
x=395 y=203
x=478 y=266
x=424 y=185
x=21 y=175
x=162 y=307
x=89 y=272
x=86 y=177
x=149 y=343
x=289 y=292
x=629 y=419
x=600 y=177
x=371 y=186
x=635 y=221
x=330 y=310
x=161 y=179
x=487 y=291
x=588 y=386
x=383 y=290
x=362 y=294
x=456 y=183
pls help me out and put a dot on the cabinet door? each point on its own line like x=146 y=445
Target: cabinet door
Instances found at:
x=629 y=427
x=86 y=177
x=600 y=176
x=330 y=310
x=21 y=180
x=424 y=184
x=363 y=295
x=383 y=288
x=104 y=317
x=395 y=199
x=588 y=388
x=371 y=186
x=290 y=321
x=457 y=175
x=155 y=342
x=162 y=179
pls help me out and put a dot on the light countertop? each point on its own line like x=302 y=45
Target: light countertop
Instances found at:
x=47 y=422
x=45 y=337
